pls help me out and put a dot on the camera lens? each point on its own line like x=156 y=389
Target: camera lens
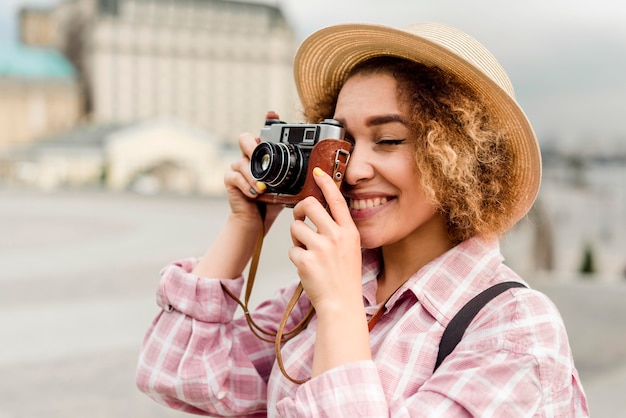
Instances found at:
x=266 y=159
x=279 y=165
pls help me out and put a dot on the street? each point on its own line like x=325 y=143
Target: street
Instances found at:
x=78 y=275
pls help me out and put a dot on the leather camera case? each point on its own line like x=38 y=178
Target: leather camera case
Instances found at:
x=331 y=155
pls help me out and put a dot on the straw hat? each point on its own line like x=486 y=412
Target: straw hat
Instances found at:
x=324 y=60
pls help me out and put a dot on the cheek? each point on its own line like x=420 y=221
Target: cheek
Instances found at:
x=420 y=200
x=406 y=175
x=415 y=196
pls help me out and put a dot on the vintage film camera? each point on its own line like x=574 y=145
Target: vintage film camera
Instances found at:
x=287 y=154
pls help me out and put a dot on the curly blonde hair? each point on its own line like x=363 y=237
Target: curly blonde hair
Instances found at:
x=461 y=154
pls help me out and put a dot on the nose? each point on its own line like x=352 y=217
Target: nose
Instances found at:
x=359 y=167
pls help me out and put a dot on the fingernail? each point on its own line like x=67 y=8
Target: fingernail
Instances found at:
x=318 y=172
x=261 y=186
x=252 y=191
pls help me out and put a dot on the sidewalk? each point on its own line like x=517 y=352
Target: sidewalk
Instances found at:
x=607 y=394
x=78 y=275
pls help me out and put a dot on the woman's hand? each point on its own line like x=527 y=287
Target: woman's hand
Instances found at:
x=328 y=256
x=328 y=259
x=242 y=188
x=234 y=245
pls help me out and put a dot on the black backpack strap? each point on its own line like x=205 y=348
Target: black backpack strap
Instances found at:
x=456 y=328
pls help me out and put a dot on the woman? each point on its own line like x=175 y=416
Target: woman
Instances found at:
x=443 y=162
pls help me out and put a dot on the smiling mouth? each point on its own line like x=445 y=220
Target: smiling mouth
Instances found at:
x=360 y=204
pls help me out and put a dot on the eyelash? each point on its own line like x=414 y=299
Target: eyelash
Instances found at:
x=390 y=142
x=380 y=142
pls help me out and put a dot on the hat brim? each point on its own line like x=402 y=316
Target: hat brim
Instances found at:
x=325 y=59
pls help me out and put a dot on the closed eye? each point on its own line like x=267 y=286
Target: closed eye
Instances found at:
x=390 y=142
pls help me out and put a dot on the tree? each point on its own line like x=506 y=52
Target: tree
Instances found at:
x=588 y=265
x=75 y=48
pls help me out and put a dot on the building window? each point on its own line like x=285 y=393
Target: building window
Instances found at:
x=109 y=7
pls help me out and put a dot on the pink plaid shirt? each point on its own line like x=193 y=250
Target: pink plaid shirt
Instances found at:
x=514 y=359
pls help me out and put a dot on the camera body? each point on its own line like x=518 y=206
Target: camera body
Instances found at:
x=287 y=154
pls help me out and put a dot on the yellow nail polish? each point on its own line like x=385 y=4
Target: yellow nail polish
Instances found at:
x=261 y=186
x=318 y=172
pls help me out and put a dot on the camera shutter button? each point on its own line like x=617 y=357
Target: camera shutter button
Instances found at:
x=332 y=122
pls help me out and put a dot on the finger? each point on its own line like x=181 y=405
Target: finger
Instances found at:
x=300 y=210
x=247 y=143
x=310 y=208
x=242 y=167
x=296 y=254
x=302 y=260
x=334 y=199
x=235 y=179
x=302 y=234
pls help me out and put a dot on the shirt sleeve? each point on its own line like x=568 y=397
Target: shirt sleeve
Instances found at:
x=350 y=390
x=195 y=357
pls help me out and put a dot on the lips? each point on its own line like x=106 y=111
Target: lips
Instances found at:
x=360 y=204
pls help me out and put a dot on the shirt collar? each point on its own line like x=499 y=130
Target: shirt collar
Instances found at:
x=446 y=283
x=371 y=267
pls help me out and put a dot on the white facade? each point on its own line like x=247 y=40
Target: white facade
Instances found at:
x=219 y=65
x=164 y=156
x=159 y=155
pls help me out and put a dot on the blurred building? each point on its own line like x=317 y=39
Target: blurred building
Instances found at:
x=216 y=64
x=162 y=88
x=579 y=220
x=155 y=156
x=164 y=156
x=39 y=95
x=165 y=84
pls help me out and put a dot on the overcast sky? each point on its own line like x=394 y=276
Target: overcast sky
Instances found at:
x=566 y=58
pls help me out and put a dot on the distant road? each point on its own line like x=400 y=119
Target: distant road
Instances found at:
x=78 y=274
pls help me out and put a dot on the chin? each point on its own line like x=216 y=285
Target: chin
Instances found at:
x=371 y=243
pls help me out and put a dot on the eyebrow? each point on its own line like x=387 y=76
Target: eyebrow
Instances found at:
x=381 y=120
x=384 y=119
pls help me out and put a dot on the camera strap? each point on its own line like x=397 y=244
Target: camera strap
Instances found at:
x=280 y=336
x=257 y=330
x=455 y=330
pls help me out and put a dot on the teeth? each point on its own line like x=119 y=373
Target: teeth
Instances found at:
x=359 y=204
